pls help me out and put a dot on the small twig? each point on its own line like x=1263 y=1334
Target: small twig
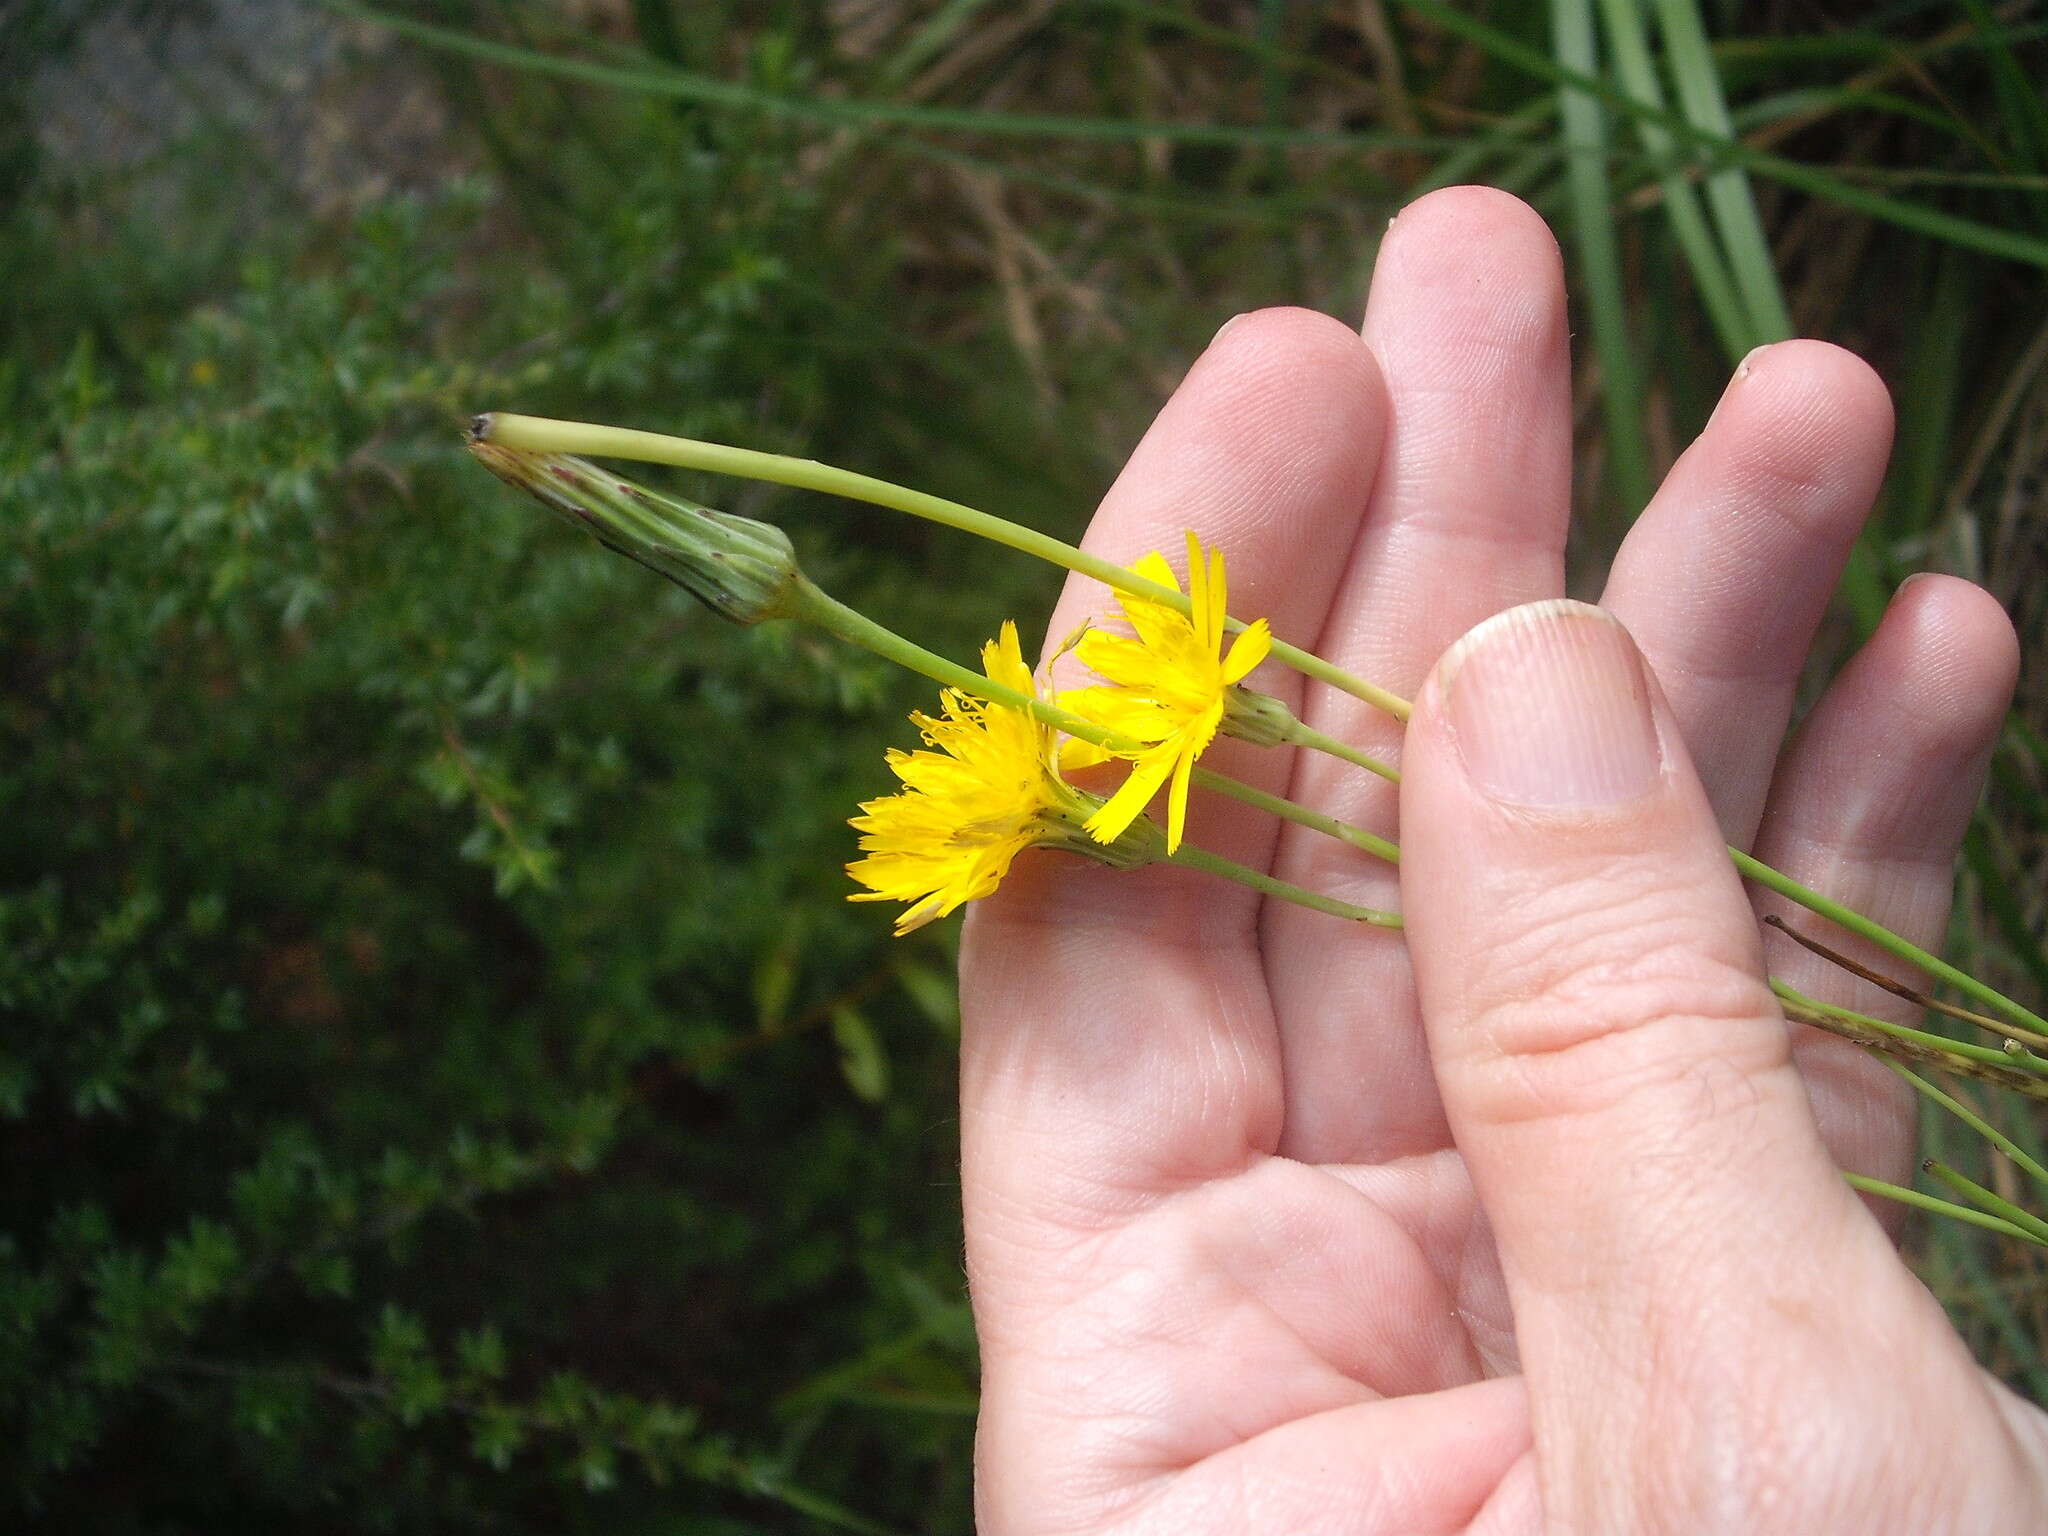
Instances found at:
x=1900 y=989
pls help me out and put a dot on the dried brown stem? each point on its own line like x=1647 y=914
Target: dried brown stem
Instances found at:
x=1900 y=989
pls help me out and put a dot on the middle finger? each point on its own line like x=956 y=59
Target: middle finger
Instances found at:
x=1467 y=318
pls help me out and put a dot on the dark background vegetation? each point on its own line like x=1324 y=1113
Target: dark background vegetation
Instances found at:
x=441 y=1084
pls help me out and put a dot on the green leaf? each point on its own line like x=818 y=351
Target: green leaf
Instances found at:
x=937 y=996
x=861 y=1057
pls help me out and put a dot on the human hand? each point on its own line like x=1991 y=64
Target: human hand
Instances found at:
x=1532 y=1221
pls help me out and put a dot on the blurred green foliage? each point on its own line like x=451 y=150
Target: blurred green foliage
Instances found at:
x=441 y=1084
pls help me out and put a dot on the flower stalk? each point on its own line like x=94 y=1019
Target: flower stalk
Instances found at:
x=2028 y=1165
x=1939 y=1207
x=1989 y=1202
x=541 y=434
x=746 y=572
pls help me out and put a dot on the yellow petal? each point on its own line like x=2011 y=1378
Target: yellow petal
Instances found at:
x=1199 y=594
x=1076 y=753
x=1125 y=806
x=1219 y=603
x=1153 y=567
x=1193 y=741
x=1002 y=660
x=1177 y=797
x=1128 y=714
x=930 y=909
x=1119 y=658
x=1162 y=630
x=1251 y=647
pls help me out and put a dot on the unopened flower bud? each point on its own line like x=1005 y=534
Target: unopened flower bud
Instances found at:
x=741 y=569
x=1256 y=717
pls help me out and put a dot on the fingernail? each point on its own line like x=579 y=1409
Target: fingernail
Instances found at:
x=1550 y=708
x=1742 y=368
x=1741 y=373
x=1224 y=329
x=1916 y=576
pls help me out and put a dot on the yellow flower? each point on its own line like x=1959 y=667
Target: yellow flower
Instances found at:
x=1171 y=686
x=991 y=790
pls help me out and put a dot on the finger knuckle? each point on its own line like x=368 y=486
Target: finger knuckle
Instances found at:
x=1599 y=994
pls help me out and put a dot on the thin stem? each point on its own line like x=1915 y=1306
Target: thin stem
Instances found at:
x=1343 y=831
x=1988 y=1200
x=1299 y=735
x=1973 y=1120
x=1215 y=864
x=2023 y=1072
x=1885 y=940
x=539 y=434
x=1728 y=191
x=1899 y=989
x=1939 y=1207
x=811 y=604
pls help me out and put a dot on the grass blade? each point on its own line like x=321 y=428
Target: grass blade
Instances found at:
x=1513 y=133
x=1728 y=189
x=845 y=112
x=1718 y=294
x=1583 y=127
x=1967 y=233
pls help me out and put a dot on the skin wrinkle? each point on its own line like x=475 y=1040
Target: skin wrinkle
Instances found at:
x=1430 y=1198
x=1171 y=908
x=1651 y=1069
x=1399 y=1485
x=1689 y=1460
x=1592 y=911
x=1089 y=1169
x=1151 y=1303
x=1278 y=1222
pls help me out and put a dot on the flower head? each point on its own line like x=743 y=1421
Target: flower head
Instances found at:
x=991 y=790
x=1170 y=687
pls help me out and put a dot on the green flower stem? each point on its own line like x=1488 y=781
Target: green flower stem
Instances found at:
x=1885 y=940
x=539 y=434
x=1939 y=1207
x=1209 y=863
x=1299 y=735
x=1989 y=1201
x=812 y=605
x=1301 y=815
x=1973 y=1120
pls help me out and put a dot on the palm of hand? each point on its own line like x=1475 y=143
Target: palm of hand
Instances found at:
x=1230 y=1271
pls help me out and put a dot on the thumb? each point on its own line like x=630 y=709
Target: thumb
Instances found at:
x=1613 y=1063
